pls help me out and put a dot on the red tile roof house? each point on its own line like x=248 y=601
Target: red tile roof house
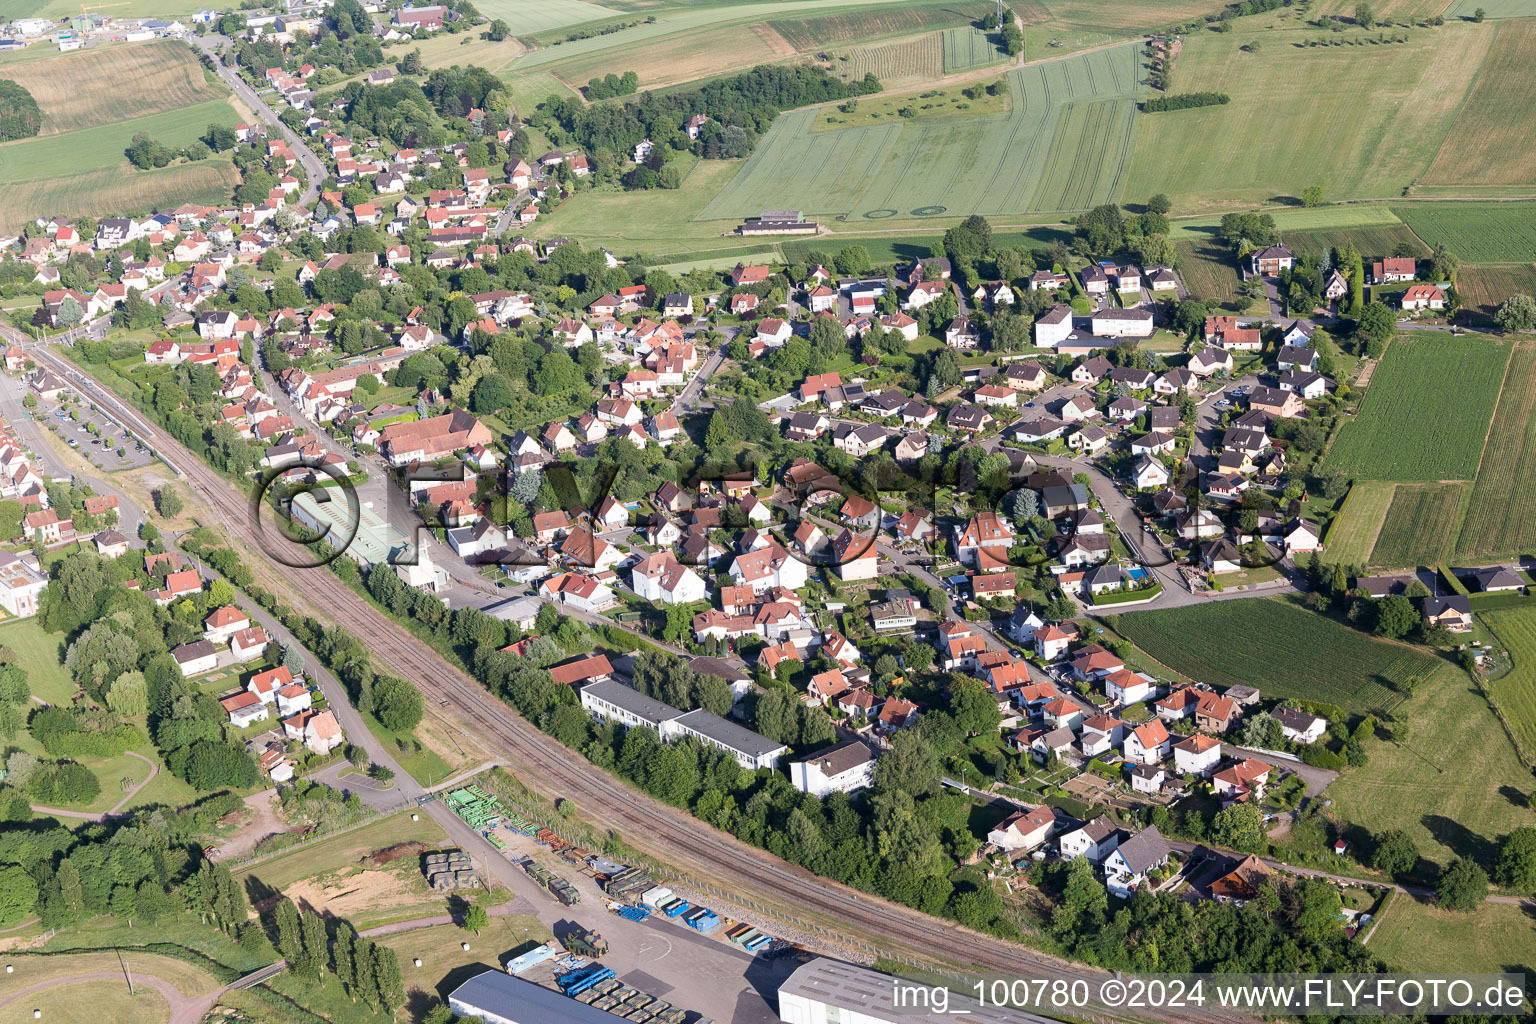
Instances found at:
x=224 y=623
x=435 y=436
x=1423 y=296
x=179 y=584
x=264 y=685
x=248 y=644
x=244 y=709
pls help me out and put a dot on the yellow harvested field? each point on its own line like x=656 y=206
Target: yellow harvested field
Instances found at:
x=684 y=57
x=114 y=188
x=86 y=88
x=1129 y=14
x=1491 y=143
x=1341 y=126
x=898 y=64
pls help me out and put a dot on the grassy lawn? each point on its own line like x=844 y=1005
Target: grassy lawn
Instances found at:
x=328 y=1000
x=41 y=655
x=1352 y=535
x=1409 y=386
x=98 y=1000
x=338 y=876
x=1285 y=651
x=440 y=949
x=1455 y=785
x=166 y=790
x=1415 y=936
x=1335 y=126
x=420 y=762
x=1514 y=693
x=1248 y=577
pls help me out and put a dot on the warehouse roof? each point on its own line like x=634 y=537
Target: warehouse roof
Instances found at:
x=869 y=993
x=494 y=995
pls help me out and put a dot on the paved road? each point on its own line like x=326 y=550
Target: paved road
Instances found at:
x=211 y=45
x=693 y=392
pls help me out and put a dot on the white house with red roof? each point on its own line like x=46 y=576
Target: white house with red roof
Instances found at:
x=223 y=623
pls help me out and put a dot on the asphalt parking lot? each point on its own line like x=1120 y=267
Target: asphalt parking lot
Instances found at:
x=112 y=448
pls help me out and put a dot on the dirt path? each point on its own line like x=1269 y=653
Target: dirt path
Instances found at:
x=184 y=1009
x=264 y=824
x=154 y=769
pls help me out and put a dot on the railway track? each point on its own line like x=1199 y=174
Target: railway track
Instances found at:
x=655 y=828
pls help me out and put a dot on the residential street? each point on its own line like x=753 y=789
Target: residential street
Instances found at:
x=211 y=44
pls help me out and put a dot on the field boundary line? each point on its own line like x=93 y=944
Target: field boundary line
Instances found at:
x=1503 y=380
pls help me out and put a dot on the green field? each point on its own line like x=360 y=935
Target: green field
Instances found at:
x=52 y=156
x=77 y=165
x=898 y=170
x=1514 y=693
x=1454 y=784
x=1426 y=411
x=1276 y=646
x=1477 y=232
x=1492 y=8
x=969 y=47
x=1414 y=935
x=1498 y=521
x=1336 y=122
x=1352 y=535
x=948 y=101
x=1420 y=526
x=1372 y=241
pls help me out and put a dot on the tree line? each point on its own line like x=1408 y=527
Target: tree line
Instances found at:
x=1183 y=101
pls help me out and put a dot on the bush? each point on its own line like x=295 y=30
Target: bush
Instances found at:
x=1183 y=101
x=19 y=116
x=64 y=782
